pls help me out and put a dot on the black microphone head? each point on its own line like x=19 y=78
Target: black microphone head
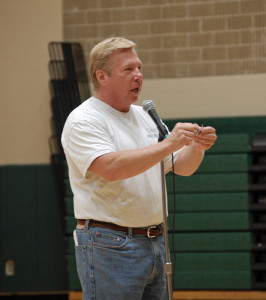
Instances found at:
x=147 y=105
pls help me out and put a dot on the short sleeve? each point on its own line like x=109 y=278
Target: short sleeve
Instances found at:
x=85 y=141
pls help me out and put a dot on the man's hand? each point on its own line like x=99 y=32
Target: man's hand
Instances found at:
x=183 y=134
x=205 y=138
x=197 y=139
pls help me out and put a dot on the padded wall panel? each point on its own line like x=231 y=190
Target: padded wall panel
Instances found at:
x=211 y=241
x=224 y=163
x=209 y=202
x=232 y=182
x=31 y=230
x=208 y=261
x=231 y=221
x=214 y=280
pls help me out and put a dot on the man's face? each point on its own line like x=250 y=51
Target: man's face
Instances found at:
x=125 y=80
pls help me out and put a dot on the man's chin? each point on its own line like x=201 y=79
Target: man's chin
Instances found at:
x=135 y=97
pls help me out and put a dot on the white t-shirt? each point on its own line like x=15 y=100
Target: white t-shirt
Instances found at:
x=93 y=129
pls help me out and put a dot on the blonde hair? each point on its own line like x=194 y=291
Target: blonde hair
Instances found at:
x=101 y=53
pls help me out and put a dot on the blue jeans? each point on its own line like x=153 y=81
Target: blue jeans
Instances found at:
x=113 y=265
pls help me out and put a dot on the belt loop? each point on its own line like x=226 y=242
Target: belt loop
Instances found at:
x=130 y=232
x=86 y=224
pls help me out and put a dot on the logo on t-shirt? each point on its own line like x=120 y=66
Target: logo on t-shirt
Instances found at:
x=152 y=133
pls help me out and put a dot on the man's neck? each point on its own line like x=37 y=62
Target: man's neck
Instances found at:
x=110 y=101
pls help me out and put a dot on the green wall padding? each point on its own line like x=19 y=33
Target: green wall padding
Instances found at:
x=213 y=280
x=221 y=221
x=226 y=125
x=211 y=241
x=201 y=183
x=209 y=202
x=31 y=230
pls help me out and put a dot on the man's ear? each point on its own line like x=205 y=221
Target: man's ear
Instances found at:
x=101 y=77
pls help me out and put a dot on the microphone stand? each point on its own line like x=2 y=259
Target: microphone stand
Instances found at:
x=168 y=264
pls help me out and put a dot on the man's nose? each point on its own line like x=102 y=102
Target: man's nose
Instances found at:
x=138 y=75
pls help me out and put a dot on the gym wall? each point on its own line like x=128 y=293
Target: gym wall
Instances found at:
x=201 y=59
x=27 y=27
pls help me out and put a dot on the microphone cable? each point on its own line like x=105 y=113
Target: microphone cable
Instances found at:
x=173 y=221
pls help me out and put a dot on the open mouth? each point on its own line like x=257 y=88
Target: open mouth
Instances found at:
x=136 y=90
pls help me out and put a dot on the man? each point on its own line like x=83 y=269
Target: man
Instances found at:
x=114 y=159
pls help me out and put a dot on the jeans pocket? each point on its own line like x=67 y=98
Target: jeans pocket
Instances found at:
x=81 y=253
x=107 y=238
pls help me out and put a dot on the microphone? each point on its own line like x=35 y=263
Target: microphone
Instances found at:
x=148 y=106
